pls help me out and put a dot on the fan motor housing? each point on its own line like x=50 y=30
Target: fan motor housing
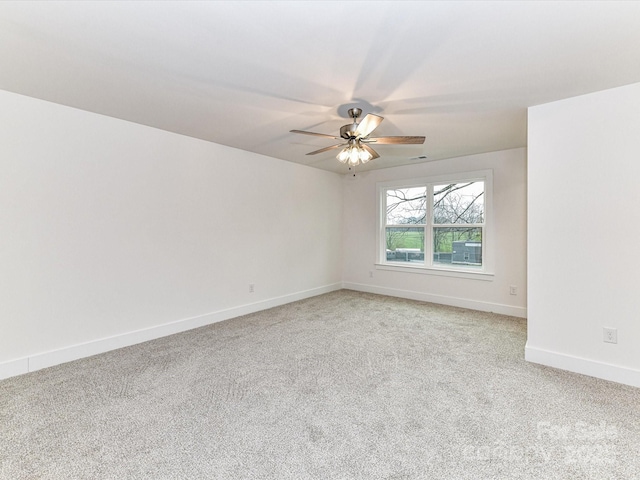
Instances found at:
x=348 y=131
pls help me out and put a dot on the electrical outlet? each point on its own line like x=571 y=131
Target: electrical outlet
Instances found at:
x=610 y=335
x=513 y=290
x=370 y=273
x=252 y=287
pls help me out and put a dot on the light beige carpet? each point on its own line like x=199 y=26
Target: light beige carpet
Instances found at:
x=340 y=386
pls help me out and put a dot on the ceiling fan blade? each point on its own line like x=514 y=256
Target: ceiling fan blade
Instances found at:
x=373 y=153
x=397 y=140
x=315 y=134
x=325 y=149
x=368 y=124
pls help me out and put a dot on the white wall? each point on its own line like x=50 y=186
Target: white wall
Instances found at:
x=111 y=231
x=584 y=172
x=509 y=240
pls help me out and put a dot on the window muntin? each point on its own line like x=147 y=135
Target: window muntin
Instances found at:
x=436 y=224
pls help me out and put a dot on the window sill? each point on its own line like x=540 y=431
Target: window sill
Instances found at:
x=448 y=272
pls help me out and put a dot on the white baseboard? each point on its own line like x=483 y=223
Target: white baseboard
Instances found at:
x=38 y=361
x=13 y=368
x=441 y=299
x=584 y=366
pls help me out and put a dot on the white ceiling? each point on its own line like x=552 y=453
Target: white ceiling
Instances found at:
x=245 y=73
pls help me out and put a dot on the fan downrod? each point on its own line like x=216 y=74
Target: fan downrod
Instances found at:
x=348 y=132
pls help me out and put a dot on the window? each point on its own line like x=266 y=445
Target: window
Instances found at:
x=438 y=224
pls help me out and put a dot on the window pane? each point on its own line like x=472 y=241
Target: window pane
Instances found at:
x=405 y=244
x=457 y=245
x=406 y=206
x=458 y=203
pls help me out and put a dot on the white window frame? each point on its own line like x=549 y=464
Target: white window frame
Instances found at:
x=485 y=272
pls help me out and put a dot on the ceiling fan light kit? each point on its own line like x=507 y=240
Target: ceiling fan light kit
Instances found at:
x=356 y=134
x=353 y=154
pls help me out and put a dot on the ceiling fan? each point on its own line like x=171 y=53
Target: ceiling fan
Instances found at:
x=356 y=139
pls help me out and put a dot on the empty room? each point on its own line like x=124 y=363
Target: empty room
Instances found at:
x=319 y=240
